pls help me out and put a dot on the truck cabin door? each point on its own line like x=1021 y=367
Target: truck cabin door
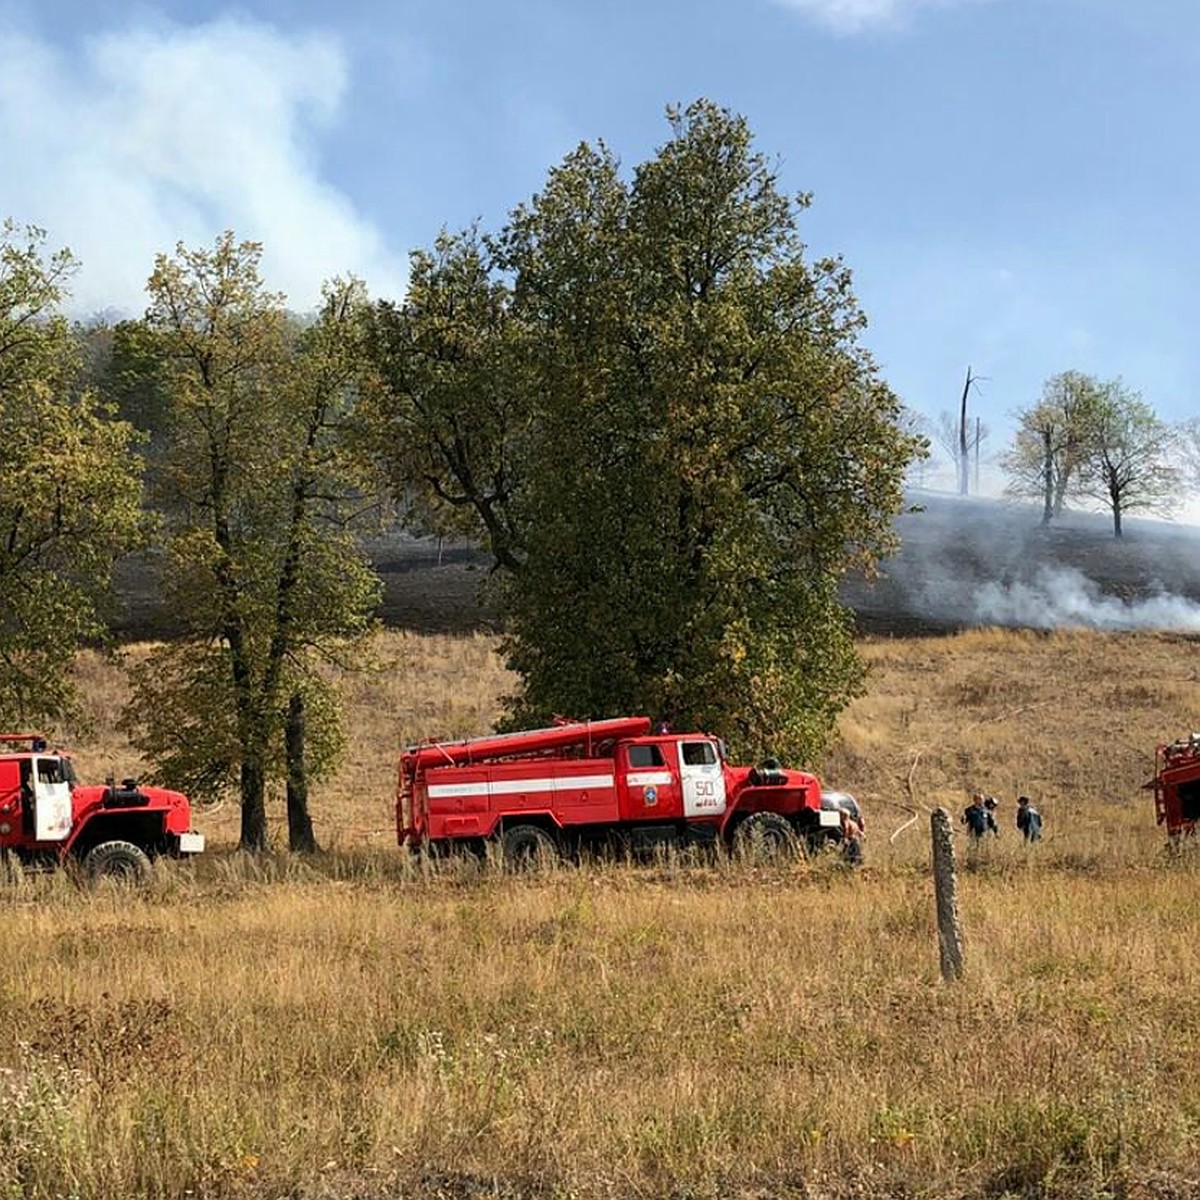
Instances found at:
x=12 y=792
x=703 y=779
x=651 y=789
x=51 y=799
x=1189 y=800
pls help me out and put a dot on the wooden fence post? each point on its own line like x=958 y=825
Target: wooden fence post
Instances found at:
x=945 y=883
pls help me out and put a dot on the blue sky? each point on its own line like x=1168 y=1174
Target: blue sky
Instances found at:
x=1012 y=181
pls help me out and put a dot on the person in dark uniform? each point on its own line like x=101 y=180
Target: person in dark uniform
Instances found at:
x=975 y=818
x=1029 y=820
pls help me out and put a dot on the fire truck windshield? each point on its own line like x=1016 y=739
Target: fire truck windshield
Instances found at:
x=697 y=754
x=55 y=770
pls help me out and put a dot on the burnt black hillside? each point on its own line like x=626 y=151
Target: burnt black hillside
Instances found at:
x=962 y=563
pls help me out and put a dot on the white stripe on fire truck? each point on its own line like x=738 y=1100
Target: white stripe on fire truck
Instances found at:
x=649 y=778
x=513 y=787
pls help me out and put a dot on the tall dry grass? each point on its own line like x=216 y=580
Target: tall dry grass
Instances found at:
x=416 y=686
x=1069 y=718
x=364 y=1026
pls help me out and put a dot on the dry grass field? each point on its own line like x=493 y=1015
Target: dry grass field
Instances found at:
x=360 y=1026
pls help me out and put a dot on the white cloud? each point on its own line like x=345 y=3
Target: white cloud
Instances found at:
x=854 y=16
x=158 y=135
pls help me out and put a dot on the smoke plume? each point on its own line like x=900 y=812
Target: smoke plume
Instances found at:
x=1066 y=598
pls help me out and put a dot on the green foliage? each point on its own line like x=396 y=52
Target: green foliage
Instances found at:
x=187 y=712
x=449 y=405
x=133 y=379
x=69 y=498
x=700 y=450
x=1094 y=439
x=1051 y=443
x=258 y=485
x=1129 y=459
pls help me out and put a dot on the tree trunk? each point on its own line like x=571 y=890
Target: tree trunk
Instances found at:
x=1047 y=476
x=1116 y=509
x=254 y=808
x=301 y=839
x=964 y=458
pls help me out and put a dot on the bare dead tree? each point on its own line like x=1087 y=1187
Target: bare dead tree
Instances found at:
x=947 y=430
x=964 y=445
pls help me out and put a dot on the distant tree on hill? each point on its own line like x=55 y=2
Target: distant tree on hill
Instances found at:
x=962 y=438
x=948 y=431
x=69 y=498
x=1189 y=440
x=1052 y=441
x=1128 y=462
x=917 y=426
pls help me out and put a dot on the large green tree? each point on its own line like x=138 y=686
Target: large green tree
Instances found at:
x=69 y=498
x=259 y=488
x=700 y=445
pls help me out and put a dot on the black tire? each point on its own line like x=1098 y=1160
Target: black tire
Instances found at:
x=527 y=847
x=766 y=837
x=121 y=861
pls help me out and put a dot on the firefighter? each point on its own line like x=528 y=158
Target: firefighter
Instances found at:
x=852 y=836
x=975 y=818
x=1029 y=820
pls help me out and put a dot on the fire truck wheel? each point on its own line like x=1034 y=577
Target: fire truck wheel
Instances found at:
x=766 y=837
x=527 y=846
x=117 y=860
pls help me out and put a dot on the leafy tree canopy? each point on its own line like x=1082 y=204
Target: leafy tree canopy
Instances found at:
x=1129 y=456
x=259 y=488
x=1089 y=439
x=667 y=405
x=69 y=496
x=1052 y=440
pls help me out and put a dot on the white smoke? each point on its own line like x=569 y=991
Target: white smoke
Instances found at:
x=1063 y=597
x=969 y=563
x=146 y=135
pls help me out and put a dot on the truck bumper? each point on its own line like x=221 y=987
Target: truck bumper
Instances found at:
x=189 y=843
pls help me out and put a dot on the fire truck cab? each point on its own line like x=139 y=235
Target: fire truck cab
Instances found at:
x=1176 y=786
x=47 y=818
x=576 y=785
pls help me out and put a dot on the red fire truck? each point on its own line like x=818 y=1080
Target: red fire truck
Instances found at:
x=589 y=784
x=48 y=819
x=1176 y=785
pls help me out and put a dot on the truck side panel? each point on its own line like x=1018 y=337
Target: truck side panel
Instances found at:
x=468 y=802
x=12 y=812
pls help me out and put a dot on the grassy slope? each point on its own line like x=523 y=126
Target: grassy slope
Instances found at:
x=276 y=1028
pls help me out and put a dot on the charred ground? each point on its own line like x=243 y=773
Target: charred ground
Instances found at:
x=963 y=563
